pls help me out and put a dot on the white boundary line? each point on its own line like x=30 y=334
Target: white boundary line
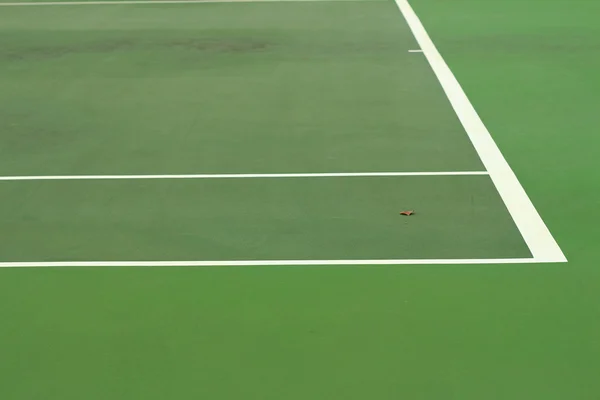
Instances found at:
x=238 y=176
x=129 y=2
x=256 y=263
x=533 y=229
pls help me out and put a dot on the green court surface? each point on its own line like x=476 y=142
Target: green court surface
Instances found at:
x=221 y=88
x=94 y=98
x=305 y=87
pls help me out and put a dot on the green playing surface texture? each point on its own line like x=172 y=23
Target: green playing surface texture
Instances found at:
x=286 y=88
x=235 y=88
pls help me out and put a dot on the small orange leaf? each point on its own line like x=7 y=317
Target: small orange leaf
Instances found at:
x=407 y=213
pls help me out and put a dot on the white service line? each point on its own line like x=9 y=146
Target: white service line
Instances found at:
x=128 y=2
x=533 y=229
x=256 y=263
x=238 y=176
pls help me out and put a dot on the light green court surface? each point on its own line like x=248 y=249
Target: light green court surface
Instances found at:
x=302 y=87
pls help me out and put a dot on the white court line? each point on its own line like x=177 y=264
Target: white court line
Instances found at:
x=415 y=51
x=112 y=3
x=256 y=263
x=237 y=176
x=533 y=229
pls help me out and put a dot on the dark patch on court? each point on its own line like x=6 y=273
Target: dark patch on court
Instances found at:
x=232 y=45
x=227 y=45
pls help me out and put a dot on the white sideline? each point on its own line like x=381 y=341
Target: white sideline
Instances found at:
x=237 y=176
x=533 y=229
x=128 y=2
x=256 y=263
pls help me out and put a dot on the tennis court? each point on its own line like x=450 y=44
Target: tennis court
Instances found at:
x=286 y=132
x=203 y=200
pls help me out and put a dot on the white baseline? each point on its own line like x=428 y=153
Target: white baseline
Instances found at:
x=542 y=245
x=257 y=263
x=238 y=176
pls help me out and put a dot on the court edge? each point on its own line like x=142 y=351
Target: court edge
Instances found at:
x=534 y=231
x=256 y=263
x=240 y=176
